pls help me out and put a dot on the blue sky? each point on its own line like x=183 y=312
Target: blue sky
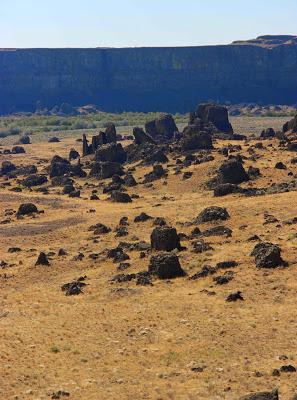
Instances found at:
x=123 y=23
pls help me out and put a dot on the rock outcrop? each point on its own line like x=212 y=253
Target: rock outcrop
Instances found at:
x=150 y=79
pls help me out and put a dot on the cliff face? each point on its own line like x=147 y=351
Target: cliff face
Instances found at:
x=147 y=79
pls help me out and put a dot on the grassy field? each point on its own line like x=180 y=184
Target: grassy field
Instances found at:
x=41 y=128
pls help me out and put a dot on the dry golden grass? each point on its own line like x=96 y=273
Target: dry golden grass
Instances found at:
x=140 y=342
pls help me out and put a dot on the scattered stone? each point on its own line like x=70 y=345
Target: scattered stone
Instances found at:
x=232 y=171
x=234 y=296
x=287 y=368
x=34 y=180
x=142 y=217
x=267 y=255
x=211 y=214
x=74 y=288
x=73 y=154
x=120 y=197
x=162 y=128
x=54 y=139
x=140 y=137
x=18 y=150
x=204 y=272
x=42 y=259
x=165 y=266
x=27 y=209
x=262 y=396
x=200 y=246
x=280 y=165
x=225 y=189
x=165 y=238
x=217 y=231
x=159 y=221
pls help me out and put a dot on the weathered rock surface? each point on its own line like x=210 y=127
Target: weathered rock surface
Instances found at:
x=117 y=79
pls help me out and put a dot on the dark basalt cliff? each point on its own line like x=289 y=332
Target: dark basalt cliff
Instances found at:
x=149 y=79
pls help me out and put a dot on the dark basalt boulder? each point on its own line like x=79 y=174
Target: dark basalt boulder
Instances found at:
x=166 y=266
x=280 y=165
x=99 y=229
x=24 y=140
x=34 y=180
x=226 y=188
x=232 y=171
x=112 y=152
x=162 y=128
x=129 y=180
x=267 y=133
x=220 y=230
x=141 y=151
x=142 y=217
x=157 y=156
x=267 y=255
x=18 y=150
x=291 y=126
x=194 y=139
x=59 y=166
x=61 y=181
x=110 y=133
x=54 y=139
x=157 y=173
x=292 y=146
x=67 y=189
x=120 y=197
x=27 y=209
x=214 y=213
x=74 y=193
x=262 y=396
x=76 y=170
x=105 y=170
x=24 y=170
x=42 y=259
x=165 y=238
x=73 y=154
x=140 y=137
x=7 y=167
x=213 y=116
x=109 y=136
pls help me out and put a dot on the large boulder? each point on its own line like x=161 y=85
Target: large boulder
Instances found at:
x=73 y=154
x=120 y=197
x=18 y=150
x=232 y=171
x=34 y=180
x=267 y=133
x=161 y=128
x=213 y=213
x=27 y=209
x=110 y=133
x=291 y=126
x=212 y=115
x=24 y=140
x=194 y=139
x=112 y=152
x=165 y=238
x=105 y=170
x=262 y=396
x=166 y=266
x=7 y=167
x=59 y=166
x=267 y=255
x=140 y=137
